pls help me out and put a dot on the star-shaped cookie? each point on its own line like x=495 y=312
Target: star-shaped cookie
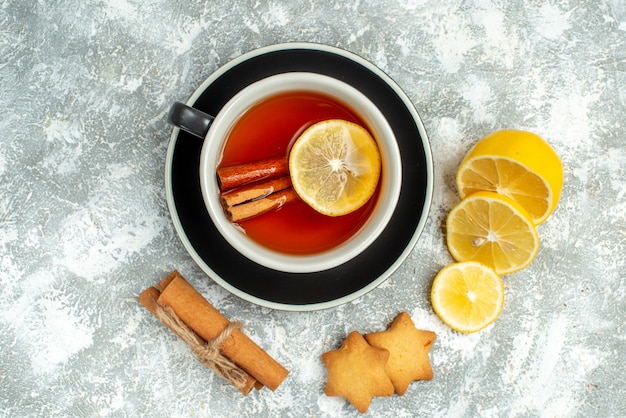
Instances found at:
x=408 y=351
x=356 y=371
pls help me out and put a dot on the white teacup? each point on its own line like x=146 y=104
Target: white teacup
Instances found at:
x=215 y=132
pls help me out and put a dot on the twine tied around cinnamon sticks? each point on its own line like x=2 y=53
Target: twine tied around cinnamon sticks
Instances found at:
x=215 y=341
x=207 y=353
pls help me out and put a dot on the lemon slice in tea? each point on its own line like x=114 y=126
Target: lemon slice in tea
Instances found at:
x=335 y=166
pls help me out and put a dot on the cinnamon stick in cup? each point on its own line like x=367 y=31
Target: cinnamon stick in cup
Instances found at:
x=254 y=191
x=208 y=323
x=257 y=207
x=236 y=175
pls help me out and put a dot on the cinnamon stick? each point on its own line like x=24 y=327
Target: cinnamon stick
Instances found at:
x=236 y=175
x=149 y=300
x=257 y=207
x=254 y=190
x=206 y=321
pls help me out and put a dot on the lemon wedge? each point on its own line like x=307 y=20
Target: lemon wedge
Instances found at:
x=515 y=163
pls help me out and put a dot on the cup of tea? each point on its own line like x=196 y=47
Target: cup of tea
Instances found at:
x=255 y=130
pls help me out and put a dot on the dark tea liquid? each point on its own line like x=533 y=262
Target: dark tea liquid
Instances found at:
x=267 y=130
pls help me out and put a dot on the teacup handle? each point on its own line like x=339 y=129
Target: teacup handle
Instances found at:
x=189 y=119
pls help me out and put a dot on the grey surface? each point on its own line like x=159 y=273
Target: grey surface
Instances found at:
x=84 y=226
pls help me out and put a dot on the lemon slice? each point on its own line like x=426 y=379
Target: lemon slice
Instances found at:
x=467 y=296
x=492 y=229
x=518 y=164
x=335 y=166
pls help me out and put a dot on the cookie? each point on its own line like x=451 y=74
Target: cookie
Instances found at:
x=356 y=371
x=408 y=351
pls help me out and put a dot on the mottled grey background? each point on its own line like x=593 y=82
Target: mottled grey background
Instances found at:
x=84 y=227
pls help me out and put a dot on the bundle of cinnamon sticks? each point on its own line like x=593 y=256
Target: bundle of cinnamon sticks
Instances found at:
x=255 y=188
x=191 y=317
